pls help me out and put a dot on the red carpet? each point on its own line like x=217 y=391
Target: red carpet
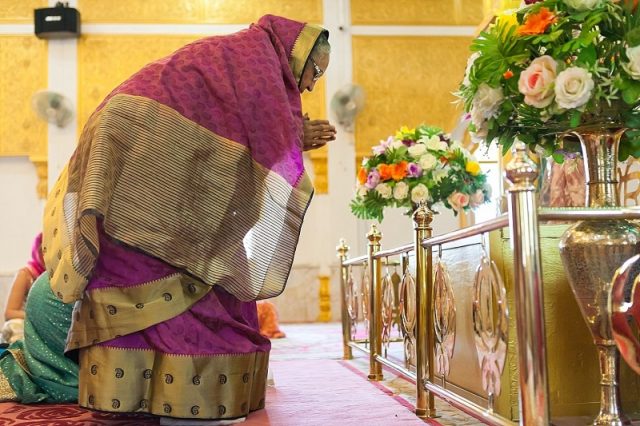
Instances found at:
x=327 y=393
x=307 y=392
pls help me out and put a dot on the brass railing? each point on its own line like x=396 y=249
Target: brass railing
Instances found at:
x=427 y=324
x=433 y=313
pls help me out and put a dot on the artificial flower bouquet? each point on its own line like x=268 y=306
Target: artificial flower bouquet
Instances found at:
x=556 y=65
x=418 y=165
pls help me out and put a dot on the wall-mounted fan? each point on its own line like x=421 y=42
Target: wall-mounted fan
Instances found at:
x=346 y=103
x=52 y=107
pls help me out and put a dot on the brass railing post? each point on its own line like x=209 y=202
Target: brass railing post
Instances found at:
x=425 y=337
x=525 y=243
x=375 y=304
x=343 y=254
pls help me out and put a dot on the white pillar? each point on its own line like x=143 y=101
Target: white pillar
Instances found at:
x=63 y=78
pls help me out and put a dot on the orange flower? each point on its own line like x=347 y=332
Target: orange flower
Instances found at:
x=362 y=175
x=385 y=171
x=537 y=23
x=399 y=171
x=507 y=74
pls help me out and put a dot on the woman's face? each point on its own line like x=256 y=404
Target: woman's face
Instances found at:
x=313 y=71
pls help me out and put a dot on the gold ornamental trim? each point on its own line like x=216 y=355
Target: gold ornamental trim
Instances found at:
x=104 y=314
x=302 y=49
x=66 y=282
x=196 y=387
x=6 y=391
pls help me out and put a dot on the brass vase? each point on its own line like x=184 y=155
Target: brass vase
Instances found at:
x=592 y=250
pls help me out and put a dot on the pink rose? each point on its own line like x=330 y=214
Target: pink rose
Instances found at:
x=458 y=200
x=536 y=82
x=477 y=198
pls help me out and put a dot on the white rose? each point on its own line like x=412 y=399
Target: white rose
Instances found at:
x=633 y=66
x=470 y=61
x=427 y=162
x=434 y=143
x=417 y=150
x=362 y=191
x=582 y=4
x=478 y=120
x=384 y=190
x=396 y=144
x=477 y=198
x=400 y=191
x=536 y=82
x=573 y=87
x=419 y=193
x=487 y=99
x=485 y=105
x=440 y=174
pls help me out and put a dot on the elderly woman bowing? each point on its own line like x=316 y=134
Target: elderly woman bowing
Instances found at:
x=181 y=207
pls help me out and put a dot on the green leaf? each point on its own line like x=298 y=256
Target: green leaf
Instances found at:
x=631 y=94
x=625 y=151
x=588 y=55
x=579 y=17
x=558 y=157
x=506 y=145
x=633 y=37
x=574 y=121
x=527 y=138
x=633 y=121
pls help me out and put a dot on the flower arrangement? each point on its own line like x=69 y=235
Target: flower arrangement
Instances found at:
x=555 y=65
x=418 y=165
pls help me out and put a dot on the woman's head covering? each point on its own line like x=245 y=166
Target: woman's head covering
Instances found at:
x=196 y=159
x=36 y=263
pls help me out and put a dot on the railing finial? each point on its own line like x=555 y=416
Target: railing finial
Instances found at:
x=342 y=248
x=423 y=216
x=521 y=171
x=374 y=235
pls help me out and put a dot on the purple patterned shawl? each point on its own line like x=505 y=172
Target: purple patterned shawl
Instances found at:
x=195 y=160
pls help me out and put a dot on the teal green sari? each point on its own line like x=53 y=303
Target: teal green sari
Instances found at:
x=35 y=369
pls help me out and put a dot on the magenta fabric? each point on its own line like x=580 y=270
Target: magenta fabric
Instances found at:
x=36 y=264
x=217 y=324
x=238 y=86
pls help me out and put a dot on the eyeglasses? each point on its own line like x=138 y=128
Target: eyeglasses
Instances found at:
x=317 y=71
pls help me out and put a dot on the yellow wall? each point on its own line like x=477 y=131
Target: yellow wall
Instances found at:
x=196 y=11
x=23 y=67
x=408 y=79
x=19 y=11
x=416 y=12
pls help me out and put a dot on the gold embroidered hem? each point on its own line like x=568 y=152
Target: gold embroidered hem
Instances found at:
x=18 y=355
x=6 y=391
x=182 y=386
x=104 y=314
